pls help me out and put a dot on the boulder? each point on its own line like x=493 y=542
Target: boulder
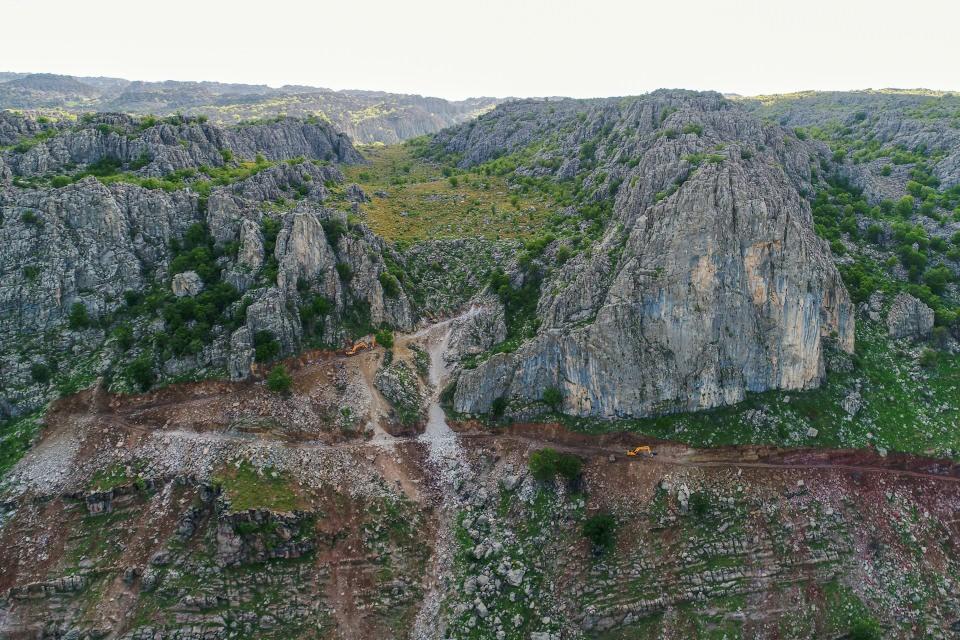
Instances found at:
x=909 y=318
x=185 y=284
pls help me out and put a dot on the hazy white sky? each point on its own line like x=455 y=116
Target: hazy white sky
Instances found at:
x=456 y=49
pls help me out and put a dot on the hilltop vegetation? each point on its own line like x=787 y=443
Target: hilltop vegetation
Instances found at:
x=413 y=198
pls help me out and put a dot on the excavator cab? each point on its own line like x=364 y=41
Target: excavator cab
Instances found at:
x=641 y=450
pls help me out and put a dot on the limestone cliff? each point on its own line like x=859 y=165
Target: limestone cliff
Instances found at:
x=709 y=281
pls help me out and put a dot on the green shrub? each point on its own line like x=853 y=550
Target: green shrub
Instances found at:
x=384 y=338
x=693 y=128
x=141 y=372
x=390 y=284
x=937 y=278
x=40 y=373
x=334 y=229
x=905 y=206
x=867 y=629
x=123 y=335
x=498 y=407
x=78 y=317
x=60 y=181
x=552 y=397
x=266 y=346
x=29 y=217
x=547 y=463
x=454 y=182
x=599 y=529
x=344 y=271
x=278 y=380
x=929 y=359
x=700 y=504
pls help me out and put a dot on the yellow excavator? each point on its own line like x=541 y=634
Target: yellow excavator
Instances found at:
x=642 y=450
x=359 y=346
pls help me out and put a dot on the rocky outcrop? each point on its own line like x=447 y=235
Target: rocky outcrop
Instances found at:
x=921 y=121
x=157 y=150
x=711 y=284
x=400 y=386
x=93 y=249
x=909 y=318
x=187 y=283
x=477 y=331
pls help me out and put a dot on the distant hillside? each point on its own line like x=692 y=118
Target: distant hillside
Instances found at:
x=366 y=116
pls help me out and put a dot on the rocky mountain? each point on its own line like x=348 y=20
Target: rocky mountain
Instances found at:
x=666 y=366
x=105 y=221
x=366 y=116
x=708 y=281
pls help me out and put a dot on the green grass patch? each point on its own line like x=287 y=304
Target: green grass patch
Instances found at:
x=249 y=488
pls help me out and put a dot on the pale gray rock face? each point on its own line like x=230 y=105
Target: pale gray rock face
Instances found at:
x=477 y=331
x=269 y=313
x=241 y=354
x=185 y=284
x=251 y=246
x=95 y=244
x=164 y=148
x=85 y=242
x=699 y=295
x=909 y=318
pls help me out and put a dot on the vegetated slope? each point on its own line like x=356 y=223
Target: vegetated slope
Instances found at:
x=366 y=116
x=706 y=280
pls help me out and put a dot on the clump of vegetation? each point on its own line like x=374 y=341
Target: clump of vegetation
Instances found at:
x=247 y=487
x=546 y=464
x=278 y=380
x=140 y=371
x=552 y=397
x=266 y=346
x=600 y=530
x=78 y=317
x=16 y=438
x=40 y=373
x=384 y=338
x=701 y=503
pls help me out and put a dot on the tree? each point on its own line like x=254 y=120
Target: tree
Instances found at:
x=700 y=504
x=599 y=529
x=547 y=463
x=543 y=464
x=141 y=372
x=866 y=629
x=937 y=278
x=384 y=338
x=78 y=317
x=390 y=284
x=552 y=397
x=278 y=380
x=905 y=206
x=40 y=373
x=266 y=347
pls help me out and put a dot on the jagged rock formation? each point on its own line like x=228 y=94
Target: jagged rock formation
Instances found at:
x=162 y=148
x=906 y=120
x=97 y=242
x=708 y=283
x=909 y=318
x=366 y=116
